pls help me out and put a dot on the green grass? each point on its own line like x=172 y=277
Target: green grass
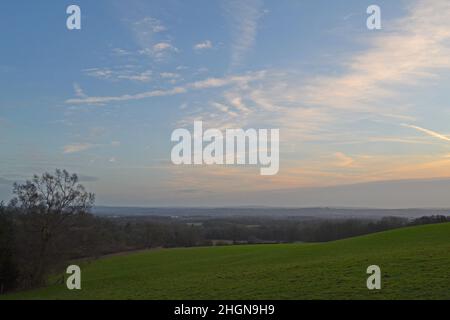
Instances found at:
x=415 y=264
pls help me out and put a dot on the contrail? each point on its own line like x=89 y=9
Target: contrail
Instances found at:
x=428 y=132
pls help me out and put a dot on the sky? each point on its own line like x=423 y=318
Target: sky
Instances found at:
x=363 y=114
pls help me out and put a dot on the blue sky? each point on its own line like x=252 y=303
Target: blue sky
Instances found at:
x=353 y=105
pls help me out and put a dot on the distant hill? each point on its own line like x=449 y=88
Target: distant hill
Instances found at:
x=268 y=211
x=414 y=263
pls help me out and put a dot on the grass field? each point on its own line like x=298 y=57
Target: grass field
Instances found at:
x=415 y=264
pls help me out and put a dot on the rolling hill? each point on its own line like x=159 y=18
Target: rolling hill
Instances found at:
x=415 y=264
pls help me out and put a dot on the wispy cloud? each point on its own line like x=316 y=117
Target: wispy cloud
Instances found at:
x=140 y=77
x=371 y=84
x=151 y=36
x=239 y=80
x=415 y=49
x=77 y=147
x=431 y=133
x=128 y=97
x=144 y=30
x=121 y=52
x=78 y=91
x=344 y=160
x=169 y=75
x=149 y=24
x=161 y=50
x=127 y=72
x=80 y=147
x=207 y=44
x=244 y=17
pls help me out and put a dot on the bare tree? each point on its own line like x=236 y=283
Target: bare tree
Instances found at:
x=48 y=204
